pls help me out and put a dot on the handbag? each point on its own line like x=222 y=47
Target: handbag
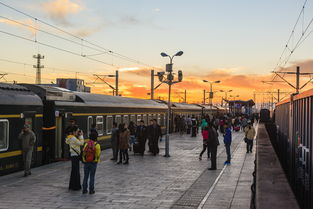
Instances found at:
x=246 y=140
x=79 y=155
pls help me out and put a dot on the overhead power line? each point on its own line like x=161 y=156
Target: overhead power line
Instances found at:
x=99 y=48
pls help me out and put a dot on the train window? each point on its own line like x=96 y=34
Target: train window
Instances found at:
x=133 y=118
x=118 y=119
x=138 y=118
x=150 y=117
x=159 y=119
x=144 y=117
x=125 y=119
x=4 y=135
x=109 y=124
x=89 y=124
x=99 y=125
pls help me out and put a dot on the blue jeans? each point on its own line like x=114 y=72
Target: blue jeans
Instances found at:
x=227 y=146
x=132 y=139
x=89 y=171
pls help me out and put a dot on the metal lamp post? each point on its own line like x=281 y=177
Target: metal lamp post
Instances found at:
x=169 y=81
x=211 y=90
x=226 y=93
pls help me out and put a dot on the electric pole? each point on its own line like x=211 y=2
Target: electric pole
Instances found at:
x=298 y=74
x=152 y=85
x=38 y=67
x=116 y=83
x=185 y=96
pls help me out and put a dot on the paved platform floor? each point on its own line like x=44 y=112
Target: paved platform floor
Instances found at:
x=181 y=181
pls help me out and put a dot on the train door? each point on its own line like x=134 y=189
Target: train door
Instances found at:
x=58 y=137
x=89 y=124
x=29 y=119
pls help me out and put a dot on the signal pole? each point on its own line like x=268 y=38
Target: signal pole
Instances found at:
x=38 y=67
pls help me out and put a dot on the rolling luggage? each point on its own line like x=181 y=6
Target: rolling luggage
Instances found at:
x=137 y=148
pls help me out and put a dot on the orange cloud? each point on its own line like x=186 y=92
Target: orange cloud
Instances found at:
x=19 y=24
x=59 y=10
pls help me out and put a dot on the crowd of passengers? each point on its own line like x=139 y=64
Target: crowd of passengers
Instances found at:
x=134 y=137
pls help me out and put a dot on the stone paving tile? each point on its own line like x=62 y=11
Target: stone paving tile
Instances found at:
x=147 y=182
x=233 y=188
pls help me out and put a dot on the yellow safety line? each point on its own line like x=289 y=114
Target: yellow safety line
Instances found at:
x=16 y=153
x=10 y=116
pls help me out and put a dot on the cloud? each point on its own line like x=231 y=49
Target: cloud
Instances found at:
x=85 y=32
x=305 y=66
x=28 y=21
x=157 y=10
x=59 y=10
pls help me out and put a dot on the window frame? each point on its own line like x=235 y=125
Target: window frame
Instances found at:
x=109 y=131
x=120 y=117
x=126 y=117
x=88 y=124
x=100 y=134
x=7 y=135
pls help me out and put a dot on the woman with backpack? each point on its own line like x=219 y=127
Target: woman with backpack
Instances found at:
x=91 y=158
x=75 y=139
x=124 y=135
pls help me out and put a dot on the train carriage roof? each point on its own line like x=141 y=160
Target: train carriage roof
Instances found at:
x=101 y=100
x=184 y=106
x=12 y=94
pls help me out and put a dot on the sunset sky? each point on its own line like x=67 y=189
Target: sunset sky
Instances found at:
x=236 y=42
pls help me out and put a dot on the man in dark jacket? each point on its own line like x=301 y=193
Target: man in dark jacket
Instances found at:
x=227 y=142
x=28 y=139
x=154 y=133
x=212 y=144
x=141 y=136
x=114 y=141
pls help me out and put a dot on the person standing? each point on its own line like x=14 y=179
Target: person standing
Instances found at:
x=205 y=136
x=212 y=145
x=227 y=142
x=28 y=139
x=91 y=158
x=123 y=145
x=75 y=140
x=250 y=133
x=154 y=133
x=132 y=130
x=141 y=136
x=194 y=126
x=189 y=124
x=114 y=141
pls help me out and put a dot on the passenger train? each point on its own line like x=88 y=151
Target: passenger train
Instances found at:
x=48 y=109
x=294 y=122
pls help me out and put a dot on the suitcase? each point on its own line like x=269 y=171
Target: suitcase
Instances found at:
x=137 y=149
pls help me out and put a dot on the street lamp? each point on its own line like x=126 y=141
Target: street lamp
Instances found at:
x=226 y=91
x=169 y=81
x=211 y=90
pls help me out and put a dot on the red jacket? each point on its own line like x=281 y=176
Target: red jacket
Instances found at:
x=205 y=135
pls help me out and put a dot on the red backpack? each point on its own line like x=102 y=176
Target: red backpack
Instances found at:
x=90 y=151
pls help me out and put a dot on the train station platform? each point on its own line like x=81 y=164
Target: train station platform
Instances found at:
x=178 y=182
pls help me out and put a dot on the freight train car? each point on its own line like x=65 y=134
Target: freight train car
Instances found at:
x=18 y=106
x=294 y=121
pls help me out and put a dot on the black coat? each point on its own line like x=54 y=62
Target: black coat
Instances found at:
x=213 y=137
x=141 y=132
x=154 y=132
